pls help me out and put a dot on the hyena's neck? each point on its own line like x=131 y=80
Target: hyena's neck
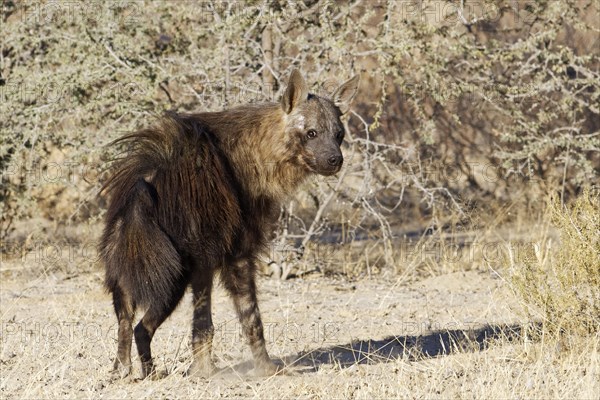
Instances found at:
x=254 y=139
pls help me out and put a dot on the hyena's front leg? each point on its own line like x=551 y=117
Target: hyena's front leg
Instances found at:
x=239 y=281
x=202 y=328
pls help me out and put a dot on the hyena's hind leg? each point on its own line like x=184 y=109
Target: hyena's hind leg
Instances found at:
x=144 y=331
x=125 y=310
x=238 y=279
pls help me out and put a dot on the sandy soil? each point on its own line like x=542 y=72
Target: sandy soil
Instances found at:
x=339 y=339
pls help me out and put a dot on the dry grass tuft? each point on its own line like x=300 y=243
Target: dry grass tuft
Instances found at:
x=560 y=286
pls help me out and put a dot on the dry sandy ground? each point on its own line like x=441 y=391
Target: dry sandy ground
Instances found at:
x=372 y=338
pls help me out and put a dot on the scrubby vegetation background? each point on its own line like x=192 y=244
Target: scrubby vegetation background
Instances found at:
x=469 y=113
x=477 y=126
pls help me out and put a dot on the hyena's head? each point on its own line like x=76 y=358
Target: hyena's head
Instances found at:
x=313 y=124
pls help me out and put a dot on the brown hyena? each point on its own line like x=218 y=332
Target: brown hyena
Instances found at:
x=196 y=195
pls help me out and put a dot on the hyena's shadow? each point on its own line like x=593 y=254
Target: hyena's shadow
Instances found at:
x=389 y=349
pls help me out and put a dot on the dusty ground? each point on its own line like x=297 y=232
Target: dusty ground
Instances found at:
x=370 y=338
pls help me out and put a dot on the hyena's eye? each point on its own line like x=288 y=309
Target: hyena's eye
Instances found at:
x=311 y=134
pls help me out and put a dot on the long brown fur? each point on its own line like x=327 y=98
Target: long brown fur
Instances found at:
x=197 y=194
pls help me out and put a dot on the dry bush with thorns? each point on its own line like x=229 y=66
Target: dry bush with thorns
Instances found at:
x=460 y=105
x=468 y=115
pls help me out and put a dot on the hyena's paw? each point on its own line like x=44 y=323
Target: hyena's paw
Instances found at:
x=120 y=370
x=156 y=375
x=201 y=370
x=149 y=371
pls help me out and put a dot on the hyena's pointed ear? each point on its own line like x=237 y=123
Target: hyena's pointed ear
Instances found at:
x=342 y=96
x=295 y=93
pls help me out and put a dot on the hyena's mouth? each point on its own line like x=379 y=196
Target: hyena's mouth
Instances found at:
x=328 y=171
x=325 y=169
x=321 y=164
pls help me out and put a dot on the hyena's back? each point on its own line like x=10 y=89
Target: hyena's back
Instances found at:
x=172 y=200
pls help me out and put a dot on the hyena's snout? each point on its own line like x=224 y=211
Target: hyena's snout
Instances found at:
x=325 y=161
x=330 y=162
x=336 y=160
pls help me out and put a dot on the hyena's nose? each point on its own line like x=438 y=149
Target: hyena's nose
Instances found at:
x=335 y=161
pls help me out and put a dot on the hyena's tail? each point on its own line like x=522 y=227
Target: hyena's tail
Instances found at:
x=139 y=256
